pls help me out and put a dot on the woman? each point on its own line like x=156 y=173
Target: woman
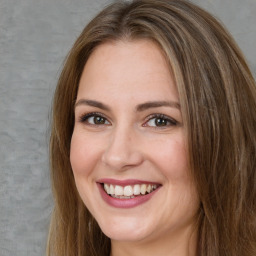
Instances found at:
x=153 y=137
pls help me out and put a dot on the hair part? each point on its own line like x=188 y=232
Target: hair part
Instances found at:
x=218 y=102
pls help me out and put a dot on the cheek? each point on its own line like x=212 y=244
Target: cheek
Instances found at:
x=181 y=194
x=172 y=160
x=83 y=159
x=171 y=157
x=83 y=156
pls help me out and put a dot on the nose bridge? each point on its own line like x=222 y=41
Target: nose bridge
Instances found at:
x=121 y=151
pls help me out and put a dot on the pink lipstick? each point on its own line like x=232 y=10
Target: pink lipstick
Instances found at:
x=126 y=193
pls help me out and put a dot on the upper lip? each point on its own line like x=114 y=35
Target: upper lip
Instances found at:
x=125 y=182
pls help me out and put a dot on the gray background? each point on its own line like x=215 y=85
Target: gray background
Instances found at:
x=35 y=36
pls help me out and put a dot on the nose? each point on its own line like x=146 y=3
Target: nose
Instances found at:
x=122 y=151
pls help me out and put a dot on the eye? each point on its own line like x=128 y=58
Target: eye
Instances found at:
x=94 y=119
x=160 y=120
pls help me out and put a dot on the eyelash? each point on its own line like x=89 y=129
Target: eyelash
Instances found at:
x=171 y=121
x=167 y=120
x=84 y=118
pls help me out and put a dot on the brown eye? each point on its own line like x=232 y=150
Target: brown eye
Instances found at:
x=160 y=120
x=98 y=120
x=94 y=119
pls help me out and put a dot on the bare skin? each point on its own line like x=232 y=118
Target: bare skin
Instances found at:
x=128 y=126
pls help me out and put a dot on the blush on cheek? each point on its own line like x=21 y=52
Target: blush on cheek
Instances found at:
x=173 y=160
x=83 y=156
x=76 y=157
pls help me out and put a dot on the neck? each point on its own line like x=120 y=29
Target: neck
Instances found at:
x=182 y=243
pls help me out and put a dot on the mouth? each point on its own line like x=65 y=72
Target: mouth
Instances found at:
x=128 y=191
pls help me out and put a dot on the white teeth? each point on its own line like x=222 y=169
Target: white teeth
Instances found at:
x=143 y=189
x=136 y=189
x=119 y=191
x=111 y=190
x=129 y=191
x=107 y=189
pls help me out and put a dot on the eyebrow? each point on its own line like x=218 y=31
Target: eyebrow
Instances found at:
x=157 y=104
x=92 y=103
x=139 y=108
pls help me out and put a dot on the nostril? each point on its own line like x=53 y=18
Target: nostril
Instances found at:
x=121 y=160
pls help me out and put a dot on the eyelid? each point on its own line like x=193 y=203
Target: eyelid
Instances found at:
x=172 y=121
x=84 y=117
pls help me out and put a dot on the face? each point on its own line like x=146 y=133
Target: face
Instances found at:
x=128 y=149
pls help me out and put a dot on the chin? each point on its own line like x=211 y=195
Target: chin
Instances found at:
x=125 y=230
x=125 y=235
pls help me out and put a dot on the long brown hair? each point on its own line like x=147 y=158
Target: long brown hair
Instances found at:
x=218 y=103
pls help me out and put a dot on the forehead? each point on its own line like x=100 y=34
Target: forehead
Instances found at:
x=130 y=67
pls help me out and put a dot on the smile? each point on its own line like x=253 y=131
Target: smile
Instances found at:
x=129 y=191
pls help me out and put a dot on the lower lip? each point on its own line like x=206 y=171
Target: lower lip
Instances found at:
x=125 y=203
